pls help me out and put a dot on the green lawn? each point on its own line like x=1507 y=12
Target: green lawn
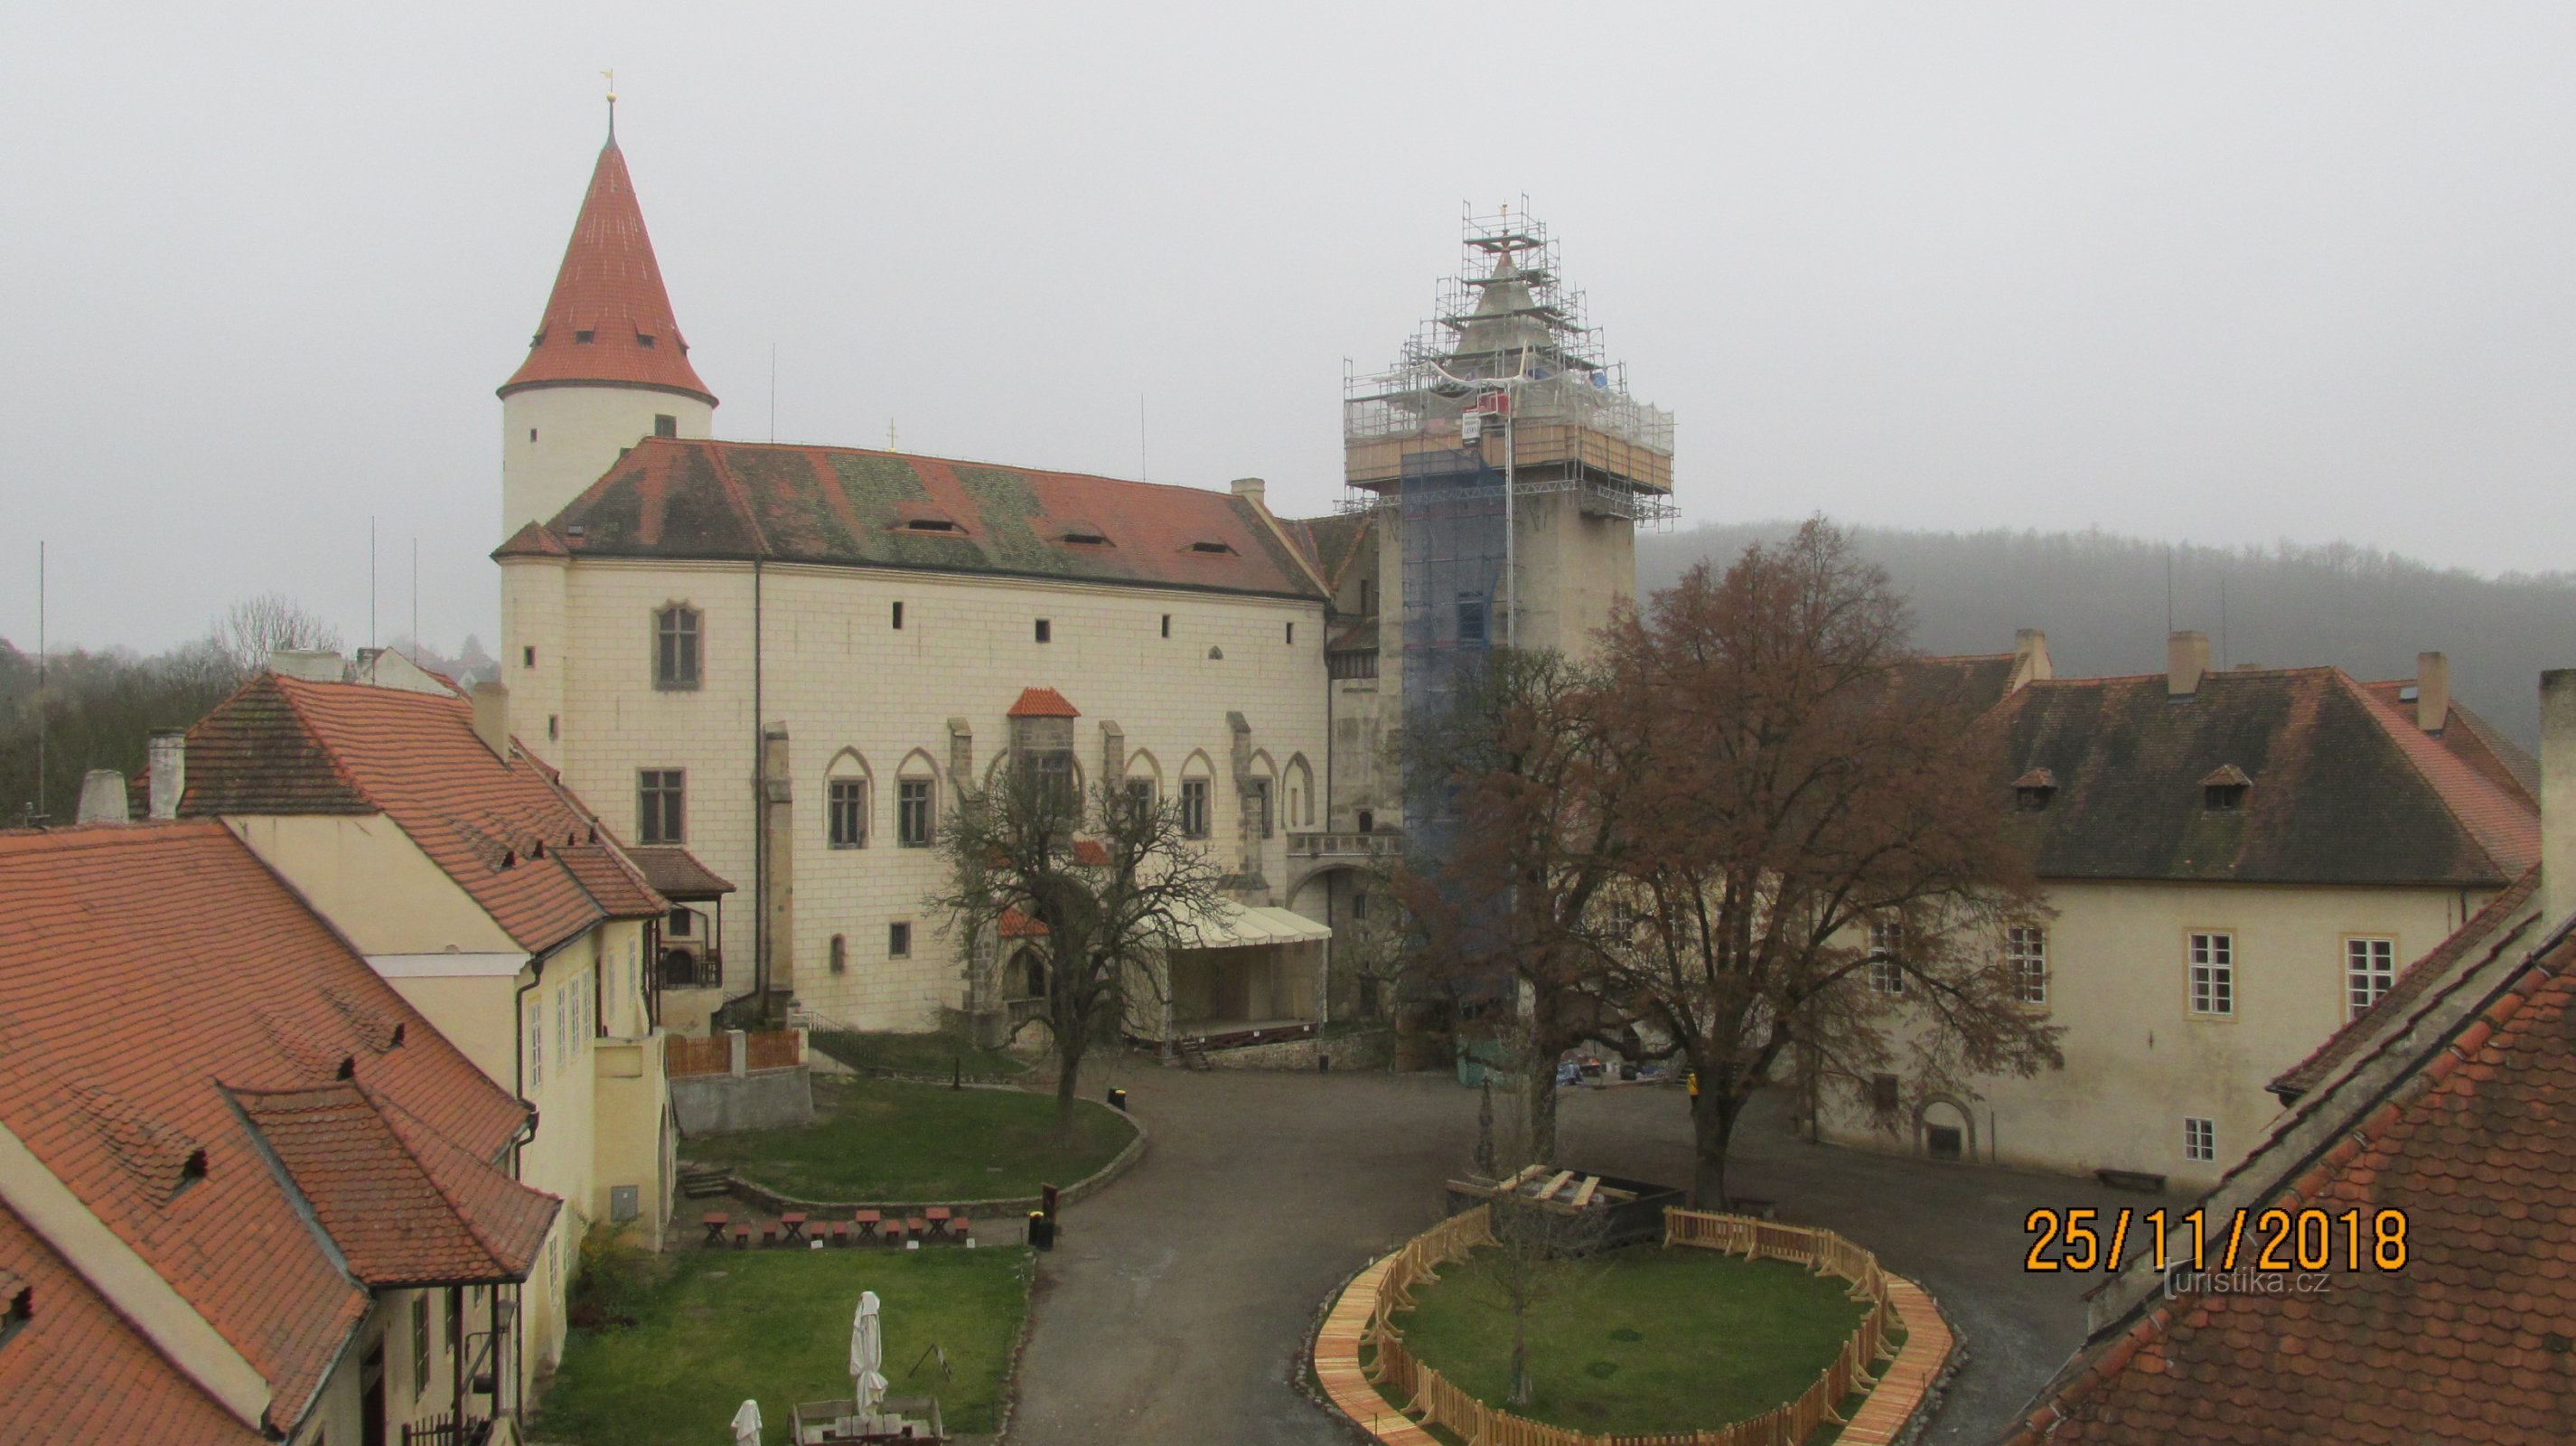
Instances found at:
x=938 y=1054
x=774 y=1327
x=1642 y=1339
x=876 y=1139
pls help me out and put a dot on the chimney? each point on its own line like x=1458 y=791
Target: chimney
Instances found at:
x=2557 y=793
x=168 y=757
x=1252 y=488
x=492 y=717
x=312 y=665
x=2186 y=658
x=102 y=797
x=2030 y=660
x=2432 y=691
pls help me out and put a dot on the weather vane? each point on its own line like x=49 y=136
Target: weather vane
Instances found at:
x=611 y=77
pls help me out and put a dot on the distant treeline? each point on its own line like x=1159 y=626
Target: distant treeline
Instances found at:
x=2102 y=601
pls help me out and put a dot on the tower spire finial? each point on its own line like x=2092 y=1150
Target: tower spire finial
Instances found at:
x=611 y=77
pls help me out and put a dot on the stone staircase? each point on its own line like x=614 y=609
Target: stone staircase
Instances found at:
x=700 y=1182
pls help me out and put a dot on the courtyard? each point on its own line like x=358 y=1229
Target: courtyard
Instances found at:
x=1176 y=1304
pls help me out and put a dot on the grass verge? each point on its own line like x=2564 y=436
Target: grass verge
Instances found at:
x=1640 y=1340
x=719 y=1327
x=938 y=1054
x=876 y=1139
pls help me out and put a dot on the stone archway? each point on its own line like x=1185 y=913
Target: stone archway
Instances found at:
x=1945 y=1129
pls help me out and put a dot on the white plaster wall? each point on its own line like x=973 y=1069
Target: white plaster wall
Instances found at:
x=839 y=676
x=2138 y=1061
x=556 y=441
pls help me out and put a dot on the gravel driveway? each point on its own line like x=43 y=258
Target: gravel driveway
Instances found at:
x=1173 y=1308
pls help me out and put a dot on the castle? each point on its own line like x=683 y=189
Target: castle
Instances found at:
x=793 y=658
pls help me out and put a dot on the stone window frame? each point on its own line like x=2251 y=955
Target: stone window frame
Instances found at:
x=675 y=620
x=2369 y=963
x=670 y=824
x=2209 y=973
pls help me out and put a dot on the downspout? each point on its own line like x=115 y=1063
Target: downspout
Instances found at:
x=759 y=805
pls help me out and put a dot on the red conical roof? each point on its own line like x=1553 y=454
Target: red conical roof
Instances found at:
x=609 y=321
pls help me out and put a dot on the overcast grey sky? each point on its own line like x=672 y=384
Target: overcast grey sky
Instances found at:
x=2227 y=272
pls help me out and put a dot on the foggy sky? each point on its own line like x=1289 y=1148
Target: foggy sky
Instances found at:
x=2222 y=272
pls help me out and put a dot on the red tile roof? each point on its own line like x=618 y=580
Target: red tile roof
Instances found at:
x=196 y=971
x=2467 y=1342
x=840 y=506
x=609 y=320
x=2469 y=736
x=508 y=833
x=1090 y=853
x=404 y=1205
x=1043 y=703
x=78 y=1372
x=675 y=873
x=2344 y=790
x=1016 y=925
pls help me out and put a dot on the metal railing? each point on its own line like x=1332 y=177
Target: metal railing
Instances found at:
x=692 y=969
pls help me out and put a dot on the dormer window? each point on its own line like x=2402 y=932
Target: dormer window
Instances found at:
x=1084 y=534
x=931 y=524
x=644 y=339
x=1214 y=549
x=2033 y=790
x=21 y=1308
x=193 y=1169
x=2223 y=791
x=585 y=336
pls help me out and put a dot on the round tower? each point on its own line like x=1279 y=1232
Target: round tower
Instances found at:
x=607 y=366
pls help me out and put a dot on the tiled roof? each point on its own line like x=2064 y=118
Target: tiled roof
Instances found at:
x=2469 y=736
x=2466 y=1342
x=609 y=320
x=1975 y=681
x=147 y=969
x=675 y=873
x=78 y=1372
x=1016 y=925
x=672 y=498
x=1331 y=543
x=1043 y=703
x=508 y=833
x=404 y=1206
x=2484 y=929
x=1359 y=637
x=2343 y=791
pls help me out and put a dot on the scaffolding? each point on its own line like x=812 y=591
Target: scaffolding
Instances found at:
x=1505 y=393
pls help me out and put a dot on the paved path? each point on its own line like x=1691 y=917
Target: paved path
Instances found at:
x=1174 y=1307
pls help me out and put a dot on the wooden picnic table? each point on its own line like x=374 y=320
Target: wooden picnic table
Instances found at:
x=936 y=1220
x=794 y=1224
x=867 y=1221
x=715 y=1222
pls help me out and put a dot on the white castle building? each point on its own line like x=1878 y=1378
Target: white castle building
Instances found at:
x=792 y=658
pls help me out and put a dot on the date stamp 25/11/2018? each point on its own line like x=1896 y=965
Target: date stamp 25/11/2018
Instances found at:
x=2274 y=1242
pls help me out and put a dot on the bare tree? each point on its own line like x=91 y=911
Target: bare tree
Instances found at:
x=1535 y=1243
x=1792 y=784
x=1532 y=789
x=1109 y=883
x=255 y=627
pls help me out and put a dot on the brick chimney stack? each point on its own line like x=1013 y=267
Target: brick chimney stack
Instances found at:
x=492 y=718
x=2432 y=691
x=2186 y=658
x=2557 y=793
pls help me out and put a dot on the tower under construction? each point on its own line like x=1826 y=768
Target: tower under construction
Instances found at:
x=1507 y=464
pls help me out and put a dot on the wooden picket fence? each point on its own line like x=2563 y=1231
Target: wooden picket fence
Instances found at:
x=1428 y=1396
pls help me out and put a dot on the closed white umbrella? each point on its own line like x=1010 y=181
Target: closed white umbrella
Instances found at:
x=867 y=1355
x=746 y=1425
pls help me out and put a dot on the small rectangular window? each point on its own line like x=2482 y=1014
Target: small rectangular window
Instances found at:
x=2369 y=968
x=847 y=807
x=664 y=424
x=1140 y=797
x=1167 y=625
x=660 y=806
x=585 y=336
x=912 y=813
x=535 y=1030
x=898 y=617
x=2213 y=974
x=527 y=657
x=1471 y=621
x=1883 y=1093
x=1257 y=799
x=2026 y=960
x=1886 y=942
x=2199 y=1139
x=1359 y=907
x=1292 y=635
x=1046 y=631
x=419 y=1343
x=1194 y=808
x=678 y=926
x=899 y=940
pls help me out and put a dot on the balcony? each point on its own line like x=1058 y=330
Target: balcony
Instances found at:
x=1380 y=844
x=684 y=967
